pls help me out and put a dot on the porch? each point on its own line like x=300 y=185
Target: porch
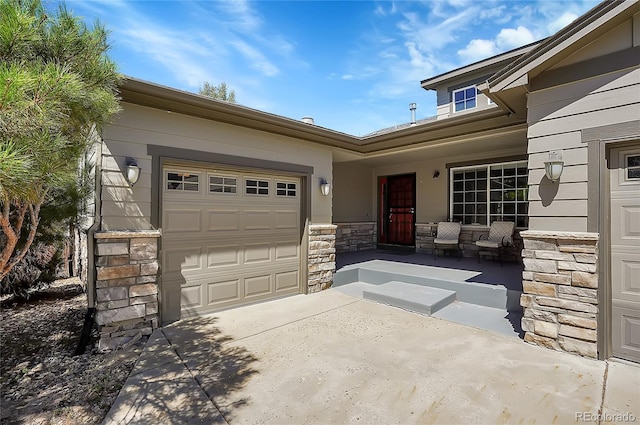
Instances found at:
x=483 y=294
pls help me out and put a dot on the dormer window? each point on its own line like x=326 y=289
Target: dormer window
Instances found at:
x=464 y=99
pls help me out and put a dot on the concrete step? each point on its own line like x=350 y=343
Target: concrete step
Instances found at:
x=379 y=272
x=421 y=299
x=481 y=317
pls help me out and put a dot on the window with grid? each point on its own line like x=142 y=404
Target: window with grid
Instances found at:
x=182 y=181
x=256 y=187
x=487 y=193
x=223 y=184
x=464 y=99
x=286 y=189
x=633 y=167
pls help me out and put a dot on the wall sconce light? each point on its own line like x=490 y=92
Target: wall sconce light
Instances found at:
x=133 y=171
x=324 y=186
x=436 y=174
x=553 y=167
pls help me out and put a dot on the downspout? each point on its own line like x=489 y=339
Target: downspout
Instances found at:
x=91 y=267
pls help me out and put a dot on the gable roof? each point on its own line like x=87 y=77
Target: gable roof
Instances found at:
x=570 y=39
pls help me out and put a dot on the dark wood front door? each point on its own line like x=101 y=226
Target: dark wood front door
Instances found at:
x=397 y=210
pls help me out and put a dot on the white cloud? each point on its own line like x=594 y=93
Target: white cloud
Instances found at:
x=478 y=49
x=255 y=58
x=347 y=77
x=510 y=38
x=561 y=22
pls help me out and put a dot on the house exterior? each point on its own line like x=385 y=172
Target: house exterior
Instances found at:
x=229 y=210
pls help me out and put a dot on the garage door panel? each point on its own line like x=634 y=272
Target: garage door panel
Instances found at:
x=626 y=331
x=223 y=292
x=181 y=220
x=286 y=281
x=223 y=220
x=223 y=256
x=257 y=253
x=257 y=220
x=256 y=286
x=628 y=217
x=287 y=250
x=287 y=219
x=182 y=259
x=625 y=271
x=191 y=296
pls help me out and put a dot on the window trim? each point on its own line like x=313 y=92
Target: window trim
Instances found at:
x=487 y=167
x=463 y=89
x=287 y=189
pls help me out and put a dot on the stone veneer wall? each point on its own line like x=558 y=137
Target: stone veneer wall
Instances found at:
x=355 y=236
x=322 y=256
x=126 y=286
x=425 y=234
x=560 y=291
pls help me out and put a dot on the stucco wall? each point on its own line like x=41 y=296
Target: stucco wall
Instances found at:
x=353 y=192
x=559 y=109
x=125 y=208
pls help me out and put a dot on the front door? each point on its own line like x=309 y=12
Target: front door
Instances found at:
x=397 y=210
x=624 y=165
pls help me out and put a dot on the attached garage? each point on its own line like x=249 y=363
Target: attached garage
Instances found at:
x=230 y=237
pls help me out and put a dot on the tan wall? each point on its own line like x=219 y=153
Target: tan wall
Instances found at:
x=353 y=193
x=556 y=117
x=125 y=208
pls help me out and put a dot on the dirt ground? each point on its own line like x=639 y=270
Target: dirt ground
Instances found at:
x=41 y=382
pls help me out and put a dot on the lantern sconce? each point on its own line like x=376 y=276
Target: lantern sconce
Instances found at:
x=133 y=171
x=436 y=174
x=324 y=186
x=553 y=167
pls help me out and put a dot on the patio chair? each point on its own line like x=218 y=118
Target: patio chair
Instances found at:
x=500 y=237
x=447 y=238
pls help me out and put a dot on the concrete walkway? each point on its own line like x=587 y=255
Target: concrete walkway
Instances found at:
x=330 y=358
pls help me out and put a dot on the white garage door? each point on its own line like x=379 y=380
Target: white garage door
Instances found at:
x=228 y=238
x=625 y=252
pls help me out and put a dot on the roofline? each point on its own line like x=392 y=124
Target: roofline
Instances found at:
x=528 y=61
x=144 y=93
x=432 y=82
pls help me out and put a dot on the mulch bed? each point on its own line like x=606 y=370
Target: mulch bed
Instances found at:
x=41 y=382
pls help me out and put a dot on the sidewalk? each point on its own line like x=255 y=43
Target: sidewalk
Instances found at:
x=330 y=359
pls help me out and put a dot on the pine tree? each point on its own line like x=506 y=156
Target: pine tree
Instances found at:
x=57 y=87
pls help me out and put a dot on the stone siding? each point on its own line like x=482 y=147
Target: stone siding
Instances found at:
x=425 y=234
x=560 y=291
x=126 y=286
x=322 y=256
x=355 y=236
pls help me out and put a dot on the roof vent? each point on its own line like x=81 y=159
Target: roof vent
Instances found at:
x=308 y=120
x=412 y=108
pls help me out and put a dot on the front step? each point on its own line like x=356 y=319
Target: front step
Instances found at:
x=421 y=299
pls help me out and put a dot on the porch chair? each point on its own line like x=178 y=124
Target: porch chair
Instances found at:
x=447 y=237
x=500 y=237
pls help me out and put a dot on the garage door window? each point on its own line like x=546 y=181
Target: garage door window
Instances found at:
x=286 y=189
x=256 y=187
x=633 y=167
x=223 y=184
x=183 y=181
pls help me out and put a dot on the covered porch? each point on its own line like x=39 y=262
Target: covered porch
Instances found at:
x=483 y=294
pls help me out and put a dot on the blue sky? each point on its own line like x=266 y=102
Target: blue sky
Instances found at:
x=354 y=66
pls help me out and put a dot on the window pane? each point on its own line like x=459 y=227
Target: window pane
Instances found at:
x=470 y=197
x=457 y=197
x=458 y=186
x=471 y=103
x=470 y=93
x=281 y=192
x=458 y=96
x=215 y=189
x=191 y=178
x=633 y=161
x=191 y=187
x=216 y=180
x=633 y=173
x=469 y=185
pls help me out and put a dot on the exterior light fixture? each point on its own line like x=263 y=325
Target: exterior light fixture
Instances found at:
x=133 y=171
x=436 y=174
x=324 y=186
x=553 y=167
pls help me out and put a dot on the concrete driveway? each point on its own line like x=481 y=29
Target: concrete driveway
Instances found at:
x=329 y=358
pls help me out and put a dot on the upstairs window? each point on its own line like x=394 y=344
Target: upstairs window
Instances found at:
x=464 y=99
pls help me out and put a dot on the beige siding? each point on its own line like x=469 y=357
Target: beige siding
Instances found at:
x=125 y=208
x=353 y=193
x=556 y=117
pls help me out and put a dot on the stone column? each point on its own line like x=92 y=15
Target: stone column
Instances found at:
x=126 y=286
x=560 y=291
x=322 y=256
